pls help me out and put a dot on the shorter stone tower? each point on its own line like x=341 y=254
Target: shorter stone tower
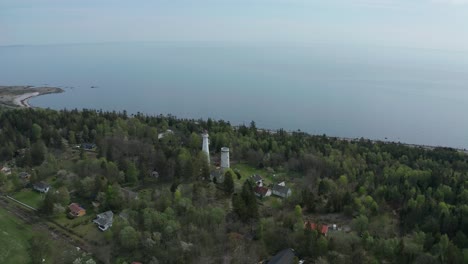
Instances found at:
x=225 y=158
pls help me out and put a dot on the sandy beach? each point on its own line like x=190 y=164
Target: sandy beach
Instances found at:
x=22 y=100
x=18 y=96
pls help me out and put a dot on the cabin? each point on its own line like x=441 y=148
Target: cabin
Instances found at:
x=24 y=176
x=281 y=191
x=76 y=210
x=257 y=179
x=41 y=187
x=104 y=220
x=88 y=146
x=261 y=192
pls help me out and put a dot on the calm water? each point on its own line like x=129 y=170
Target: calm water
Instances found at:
x=408 y=95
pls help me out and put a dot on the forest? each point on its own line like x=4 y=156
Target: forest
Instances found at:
x=392 y=203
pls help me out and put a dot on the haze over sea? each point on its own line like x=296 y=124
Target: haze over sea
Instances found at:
x=408 y=95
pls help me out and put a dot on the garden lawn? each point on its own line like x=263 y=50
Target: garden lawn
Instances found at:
x=29 y=197
x=14 y=237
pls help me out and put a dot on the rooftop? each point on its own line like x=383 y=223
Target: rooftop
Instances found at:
x=256 y=177
x=41 y=185
x=261 y=190
x=285 y=256
x=323 y=229
x=280 y=189
x=75 y=208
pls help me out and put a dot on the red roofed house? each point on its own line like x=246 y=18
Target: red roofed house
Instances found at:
x=76 y=210
x=322 y=229
x=262 y=192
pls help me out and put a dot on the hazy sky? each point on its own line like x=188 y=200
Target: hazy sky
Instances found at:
x=411 y=23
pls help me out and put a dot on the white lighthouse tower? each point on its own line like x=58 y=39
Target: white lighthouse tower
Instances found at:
x=205 y=145
x=225 y=158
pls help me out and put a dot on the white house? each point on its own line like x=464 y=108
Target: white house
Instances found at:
x=104 y=220
x=41 y=187
x=281 y=191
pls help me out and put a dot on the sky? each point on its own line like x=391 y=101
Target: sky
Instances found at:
x=432 y=24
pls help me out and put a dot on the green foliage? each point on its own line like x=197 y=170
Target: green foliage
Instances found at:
x=132 y=173
x=39 y=248
x=36 y=132
x=228 y=182
x=38 y=153
x=408 y=203
x=245 y=203
x=128 y=238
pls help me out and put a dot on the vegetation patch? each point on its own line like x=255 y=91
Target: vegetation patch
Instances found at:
x=14 y=237
x=29 y=197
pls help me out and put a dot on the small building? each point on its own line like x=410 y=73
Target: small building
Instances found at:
x=257 y=179
x=24 y=176
x=281 y=191
x=155 y=174
x=322 y=229
x=285 y=256
x=261 y=192
x=6 y=170
x=41 y=187
x=76 y=210
x=162 y=135
x=217 y=174
x=104 y=220
x=88 y=146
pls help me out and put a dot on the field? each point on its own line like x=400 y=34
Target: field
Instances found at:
x=14 y=236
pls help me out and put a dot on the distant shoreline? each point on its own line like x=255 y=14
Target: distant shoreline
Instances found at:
x=18 y=96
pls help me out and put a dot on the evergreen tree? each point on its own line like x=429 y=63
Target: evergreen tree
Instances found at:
x=228 y=182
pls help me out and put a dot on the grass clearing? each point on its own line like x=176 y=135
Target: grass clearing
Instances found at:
x=29 y=197
x=14 y=237
x=82 y=226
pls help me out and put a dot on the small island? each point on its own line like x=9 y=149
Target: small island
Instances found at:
x=18 y=96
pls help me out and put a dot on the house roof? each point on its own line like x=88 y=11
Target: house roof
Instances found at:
x=75 y=208
x=104 y=218
x=88 y=145
x=261 y=190
x=285 y=256
x=24 y=174
x=41 y=185
x=323 y=229
x=256 y=177
x=281 y=189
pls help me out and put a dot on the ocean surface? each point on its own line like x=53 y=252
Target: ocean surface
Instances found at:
x=398 y=94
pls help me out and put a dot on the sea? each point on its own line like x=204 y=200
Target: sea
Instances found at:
x=416 y=96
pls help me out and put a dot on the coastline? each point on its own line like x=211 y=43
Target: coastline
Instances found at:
x=23 y=100
x=18 y=96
